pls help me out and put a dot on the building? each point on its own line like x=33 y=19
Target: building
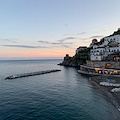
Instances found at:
x=100 y=54
x=94 y=41
x=104 y=57
x=108 y=46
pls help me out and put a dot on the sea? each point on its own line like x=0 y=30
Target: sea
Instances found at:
x=64 y=95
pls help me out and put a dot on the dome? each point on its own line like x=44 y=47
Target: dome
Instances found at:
x=94 y=40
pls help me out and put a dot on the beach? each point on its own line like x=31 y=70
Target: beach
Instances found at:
x=113 y=97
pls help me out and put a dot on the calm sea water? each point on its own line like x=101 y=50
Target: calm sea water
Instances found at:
x=64 y=95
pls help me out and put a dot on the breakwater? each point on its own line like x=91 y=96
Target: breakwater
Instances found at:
x=31 y=74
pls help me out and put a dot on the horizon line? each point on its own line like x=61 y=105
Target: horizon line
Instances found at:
x=28 y=58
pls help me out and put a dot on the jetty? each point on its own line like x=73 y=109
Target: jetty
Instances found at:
x=31 y=74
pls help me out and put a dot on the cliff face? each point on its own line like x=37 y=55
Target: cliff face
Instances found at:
x=77 y=60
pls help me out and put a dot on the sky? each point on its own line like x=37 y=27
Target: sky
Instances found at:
x=54 y=28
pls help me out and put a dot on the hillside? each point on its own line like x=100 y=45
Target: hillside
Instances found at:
x=78 y=59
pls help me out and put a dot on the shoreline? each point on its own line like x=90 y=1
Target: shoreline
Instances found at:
x=113 y=97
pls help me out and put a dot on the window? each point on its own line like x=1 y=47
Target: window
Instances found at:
x=107 y=65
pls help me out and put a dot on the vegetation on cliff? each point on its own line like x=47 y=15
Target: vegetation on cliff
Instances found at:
x=78 y=59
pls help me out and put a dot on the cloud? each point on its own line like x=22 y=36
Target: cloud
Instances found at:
x=99 y=36
x=82 y=33
x=58 y=42
x=66 y=39
x=27 y=46
x=69 y=38
x=67 y=46
x=5 y=39
x=41 y=41
x=8 y=40
x=65 y=42
x=92 y=37
x=24 y=46
x=52 y=43
x=61 y=43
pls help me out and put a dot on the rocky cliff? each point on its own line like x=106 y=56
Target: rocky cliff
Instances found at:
x=78 y=59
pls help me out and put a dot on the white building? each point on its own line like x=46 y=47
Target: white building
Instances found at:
x=110 y=45
x=111 y=39
x=99 y=53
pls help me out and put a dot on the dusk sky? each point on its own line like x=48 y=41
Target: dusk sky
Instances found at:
x=53 y=28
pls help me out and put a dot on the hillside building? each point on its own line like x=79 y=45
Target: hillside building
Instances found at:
x=108 y=46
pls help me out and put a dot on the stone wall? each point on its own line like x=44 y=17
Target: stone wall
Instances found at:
x=104 y=64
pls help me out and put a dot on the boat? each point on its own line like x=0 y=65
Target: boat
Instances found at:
x=93 y=71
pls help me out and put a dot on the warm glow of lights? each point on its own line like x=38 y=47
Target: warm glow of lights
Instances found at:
x=107 y=65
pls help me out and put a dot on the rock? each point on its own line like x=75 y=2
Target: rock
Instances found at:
x=77 y=60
